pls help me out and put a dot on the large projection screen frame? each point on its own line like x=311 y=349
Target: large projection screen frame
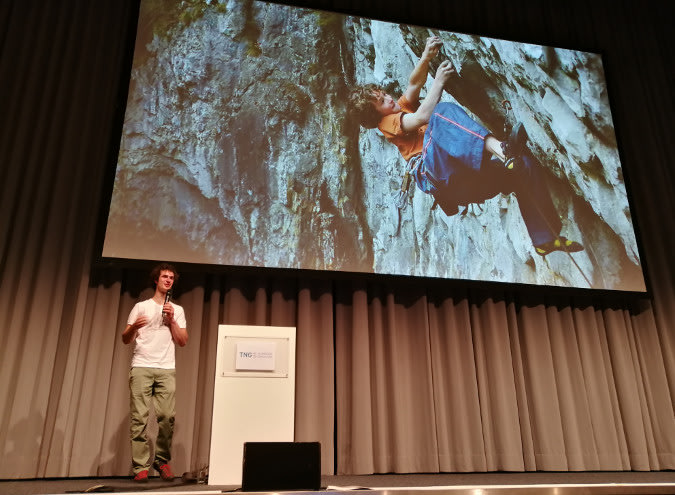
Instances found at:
x=248 y=154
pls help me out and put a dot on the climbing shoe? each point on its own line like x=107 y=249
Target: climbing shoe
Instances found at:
x=516 y=144
x=558 y=244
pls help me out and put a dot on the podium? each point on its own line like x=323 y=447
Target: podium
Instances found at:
x=254 y=395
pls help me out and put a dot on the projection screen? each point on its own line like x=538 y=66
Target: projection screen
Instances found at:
x=242 y=146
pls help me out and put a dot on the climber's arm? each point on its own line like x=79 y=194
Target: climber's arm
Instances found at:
x=413 y=121
x=418 y=76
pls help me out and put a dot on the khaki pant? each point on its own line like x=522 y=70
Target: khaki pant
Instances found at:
x=158 y=385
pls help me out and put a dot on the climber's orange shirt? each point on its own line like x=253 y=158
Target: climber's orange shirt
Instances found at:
x=408 y=143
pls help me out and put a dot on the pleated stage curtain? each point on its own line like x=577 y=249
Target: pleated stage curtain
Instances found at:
x=392 y=375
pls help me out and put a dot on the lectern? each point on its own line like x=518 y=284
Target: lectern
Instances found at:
x=254 y=395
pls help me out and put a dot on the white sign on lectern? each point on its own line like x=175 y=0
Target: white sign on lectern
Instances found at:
x=254 y=395
x=252 y=355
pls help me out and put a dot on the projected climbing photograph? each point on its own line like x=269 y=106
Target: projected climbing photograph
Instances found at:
x=265 y=135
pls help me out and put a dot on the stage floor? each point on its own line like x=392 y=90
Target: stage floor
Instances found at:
x=586 y=483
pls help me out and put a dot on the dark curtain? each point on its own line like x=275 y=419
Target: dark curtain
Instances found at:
x=393 y=375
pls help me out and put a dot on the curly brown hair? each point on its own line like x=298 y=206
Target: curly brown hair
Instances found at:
x=361 y=102
x=157 y=271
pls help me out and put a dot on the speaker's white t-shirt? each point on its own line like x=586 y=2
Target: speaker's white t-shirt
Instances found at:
x=154 y=345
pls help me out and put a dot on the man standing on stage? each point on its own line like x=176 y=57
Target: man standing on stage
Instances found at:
x=156 y=325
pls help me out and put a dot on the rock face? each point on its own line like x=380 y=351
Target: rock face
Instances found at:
x=238 y=149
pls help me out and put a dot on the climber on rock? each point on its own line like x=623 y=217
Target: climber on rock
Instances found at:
x=454 y=158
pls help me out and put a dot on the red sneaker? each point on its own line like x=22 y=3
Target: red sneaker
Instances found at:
x=141 y=476
x=165 y=471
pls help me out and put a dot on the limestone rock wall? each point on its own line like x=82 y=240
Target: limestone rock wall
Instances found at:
x=238 y=145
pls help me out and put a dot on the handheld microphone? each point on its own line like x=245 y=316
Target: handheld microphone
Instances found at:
x=167 y=298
